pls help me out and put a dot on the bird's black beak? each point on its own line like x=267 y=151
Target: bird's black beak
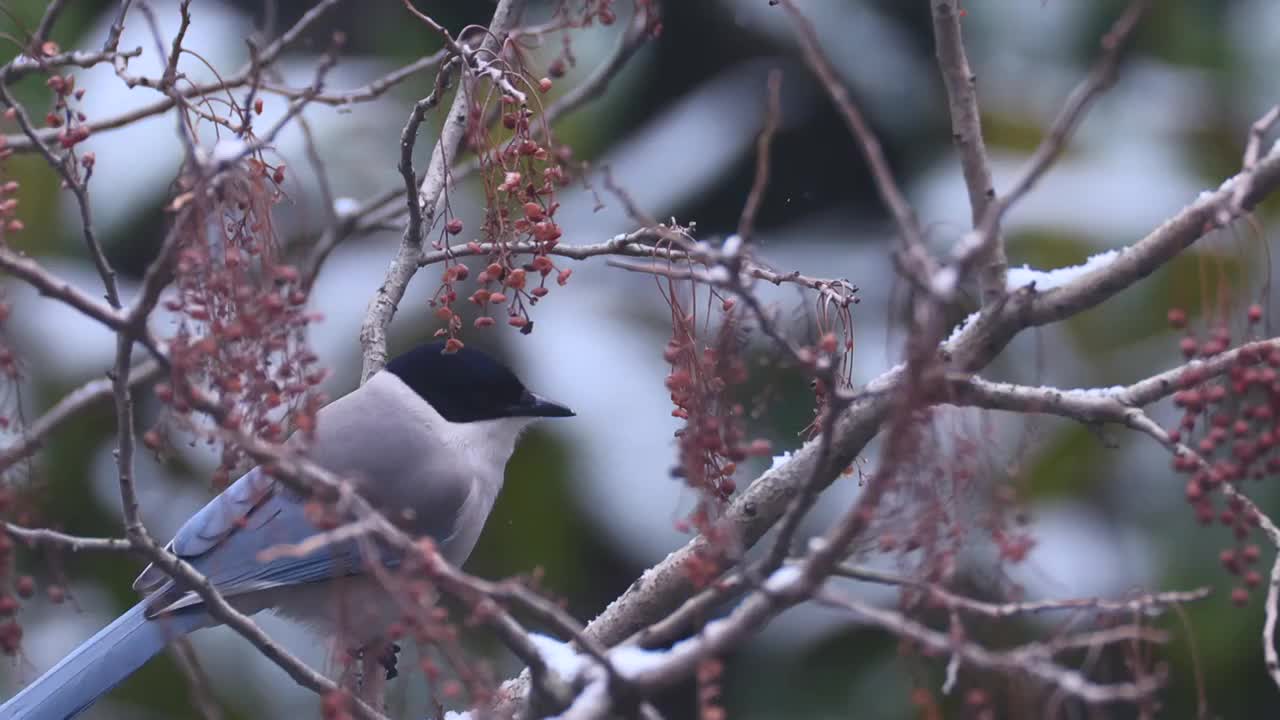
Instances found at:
x=534 y=405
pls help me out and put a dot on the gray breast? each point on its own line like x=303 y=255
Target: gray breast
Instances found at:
x=397 y=465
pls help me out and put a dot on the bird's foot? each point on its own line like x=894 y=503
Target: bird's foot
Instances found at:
x=389 y=659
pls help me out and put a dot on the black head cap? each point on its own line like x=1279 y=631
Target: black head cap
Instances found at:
x=469 y=385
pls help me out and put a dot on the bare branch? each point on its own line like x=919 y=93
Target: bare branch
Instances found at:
x=663 y=587
x=913 y=256
x=1151 y=252
x=197 y=680
x=1252 y=153
x=1034 y=660
x=51 y=14
x=363 y=220
x=371 y=91
x=49 y=285
x=373 y=333
x=793 y=585
x=966 y=132
x=24 y=65
x=598 y=82
x=773 y=113
x=1272 y=610
x=1103 y=75
x=642 y=243
x=1093 y=406
x=47 y=537
x=222 y=611
x=1140 y=603
x=70 y=405
x=68 y=169
x=22 y=143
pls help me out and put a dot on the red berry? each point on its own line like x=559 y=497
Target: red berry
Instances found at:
x=10 y=638
x=1228 y=559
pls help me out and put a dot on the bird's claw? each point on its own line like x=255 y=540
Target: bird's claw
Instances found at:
x=388 y=661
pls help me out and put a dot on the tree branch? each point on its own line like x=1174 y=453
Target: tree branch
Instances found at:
x=966 y=132
x=911 y=253
x=382 y=308
x=985 y=235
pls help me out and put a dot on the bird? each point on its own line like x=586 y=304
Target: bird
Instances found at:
x=425 y=441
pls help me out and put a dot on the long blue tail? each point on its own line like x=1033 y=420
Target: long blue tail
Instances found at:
x=99 y=664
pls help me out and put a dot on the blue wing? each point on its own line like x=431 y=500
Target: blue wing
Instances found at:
x=387 y=457
x=225 y=539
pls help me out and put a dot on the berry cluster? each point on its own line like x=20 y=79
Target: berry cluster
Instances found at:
x=705 y=376
x=593 y=11
x=242 y=319
x=15 y=588
x=521 y=176
x=522 y=169
x=1230 y=421
x=71 y=122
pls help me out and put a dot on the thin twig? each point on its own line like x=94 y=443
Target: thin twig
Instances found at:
x=51 y=14
x=1140 y=603
x=1102 y=76
x=1252 y=153
x=67 y=169
x=70 y=405
x=44 y=536
x=184 y=655
x=643 y=243
x=912 y=254
x=966 y=132
x=22 y=143
x=773 y=114
x=50 y=285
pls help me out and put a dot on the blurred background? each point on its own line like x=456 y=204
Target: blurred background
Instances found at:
x=591 y=501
